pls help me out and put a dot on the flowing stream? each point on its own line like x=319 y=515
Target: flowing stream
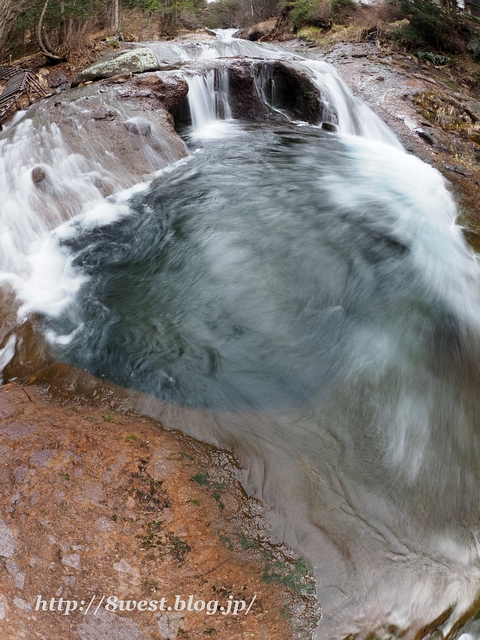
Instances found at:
x=298 y=293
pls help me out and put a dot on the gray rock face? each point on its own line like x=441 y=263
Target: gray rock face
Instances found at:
x=8 y=543
x=109 y=626
x=129 y=61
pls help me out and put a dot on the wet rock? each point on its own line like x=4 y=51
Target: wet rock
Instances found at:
x=38 y=174
x=295 y=94
x=244 y=100
x=329 y=126
x=435 y=138
x=170 y=90
x=135 y=60
x=139 y=126
x=8 y=543
x=103 y=114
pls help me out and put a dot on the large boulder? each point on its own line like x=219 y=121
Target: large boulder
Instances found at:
x=129 y=61
x=295 y=94
x=260 y=31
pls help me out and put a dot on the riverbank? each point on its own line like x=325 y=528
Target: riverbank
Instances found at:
x=99 y=501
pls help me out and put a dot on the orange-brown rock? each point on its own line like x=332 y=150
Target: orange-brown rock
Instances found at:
x=98 y=501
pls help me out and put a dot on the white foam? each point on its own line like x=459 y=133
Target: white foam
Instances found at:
x=7 y=353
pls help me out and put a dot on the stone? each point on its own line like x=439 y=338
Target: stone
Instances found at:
x=14 y=431
x=168 y=626
x=124 y=567
x=102 y=113
x=170 y=90
x=295 y=94
x=3 y=609
x=259 y=31
x=434 y=138
x=38 y=174
x=475 y=137
x=8 y=543
x=22 y=604
x=72 y=560
x=109 y=626
x=464 y=171
x=19 y=580
x=20 y=473
x=104 y=524
x=135 y=60
x=41 y=458
x=11 y=567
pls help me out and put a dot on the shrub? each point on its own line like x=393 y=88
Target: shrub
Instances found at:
x=434 y=58
x=473 y=47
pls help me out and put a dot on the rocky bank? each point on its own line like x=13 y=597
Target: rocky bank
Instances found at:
x=99 y=501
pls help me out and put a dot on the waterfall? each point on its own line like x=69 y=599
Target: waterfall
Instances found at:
x=208 y=103
x=265 y=84
x=341 y=108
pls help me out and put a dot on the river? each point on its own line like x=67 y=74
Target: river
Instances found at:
x=297 y=292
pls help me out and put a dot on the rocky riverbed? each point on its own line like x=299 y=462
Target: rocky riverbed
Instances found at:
x=100 y=500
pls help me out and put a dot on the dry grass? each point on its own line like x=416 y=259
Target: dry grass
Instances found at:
x=359 y=23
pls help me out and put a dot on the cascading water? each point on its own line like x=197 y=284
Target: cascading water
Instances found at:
x=283 y=294
x=208 y=102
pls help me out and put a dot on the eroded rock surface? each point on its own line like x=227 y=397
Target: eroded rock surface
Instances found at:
x=98 y=501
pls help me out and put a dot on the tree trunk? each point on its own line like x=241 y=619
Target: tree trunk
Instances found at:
x=62 y=31
x=45 y=48
x=115 y=14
